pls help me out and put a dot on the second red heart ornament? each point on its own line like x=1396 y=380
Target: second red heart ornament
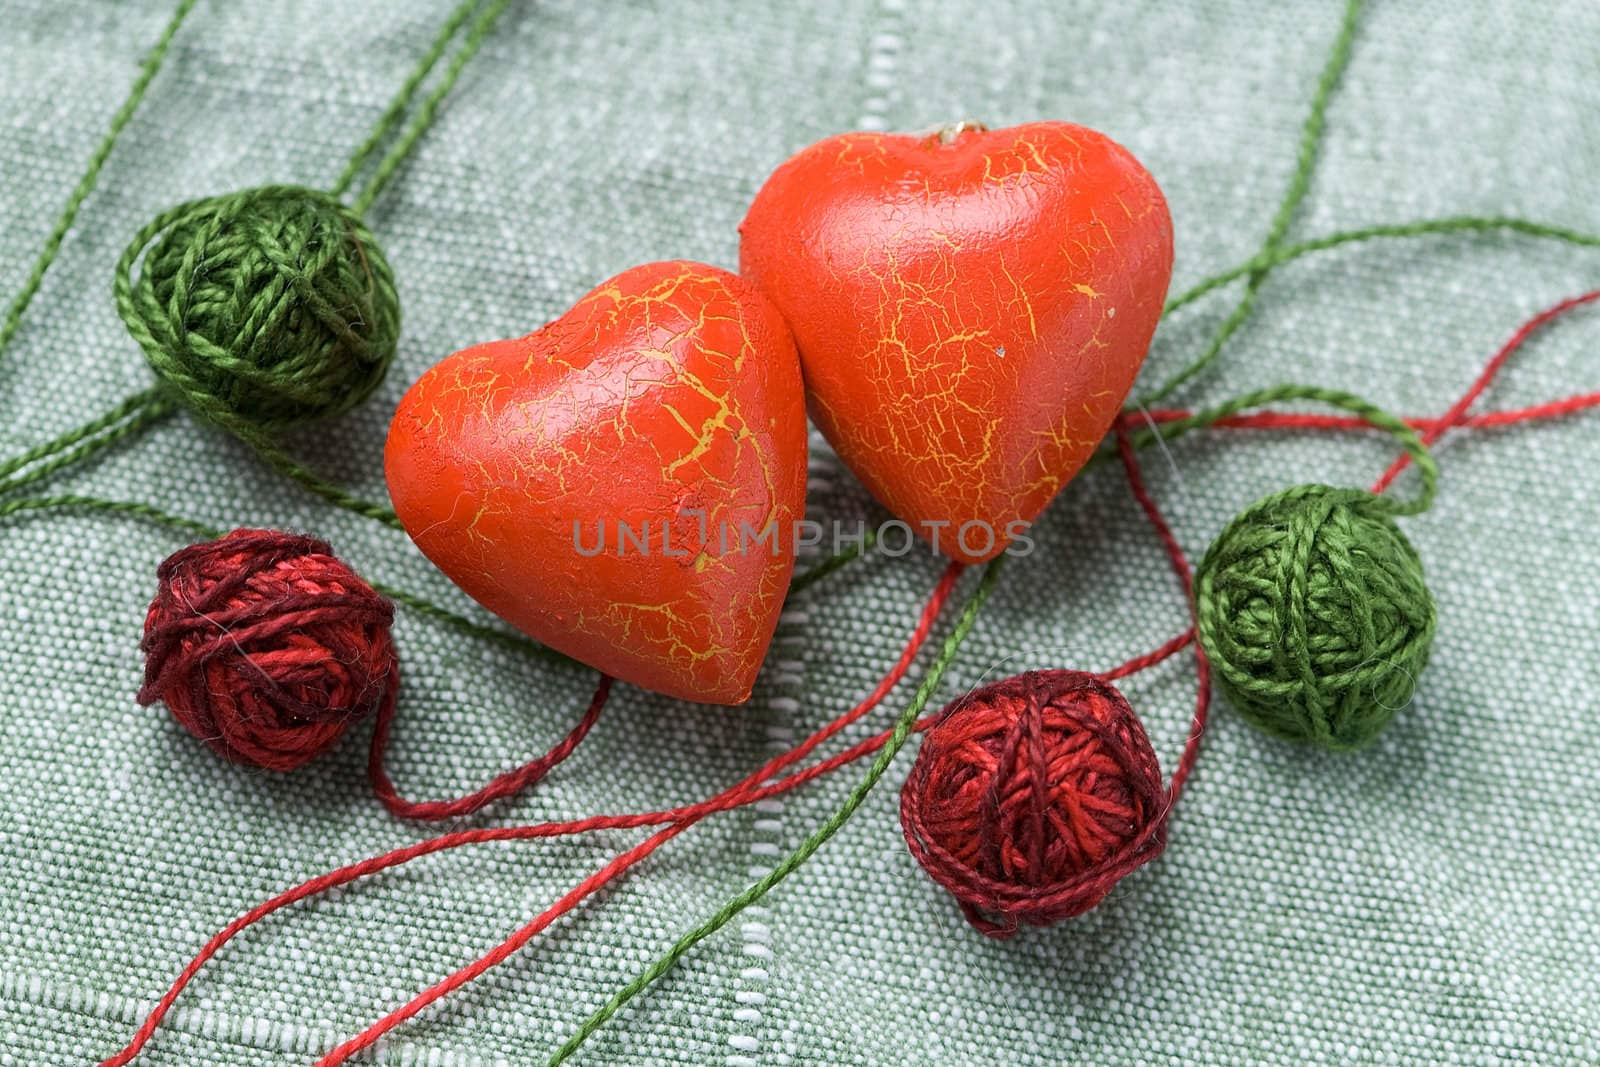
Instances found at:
x=971 y=309
x=624 y=483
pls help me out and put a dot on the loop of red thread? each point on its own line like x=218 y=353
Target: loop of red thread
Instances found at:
x=748 y=791
x=267 y=647
x=508 y=784
x=1185 y=573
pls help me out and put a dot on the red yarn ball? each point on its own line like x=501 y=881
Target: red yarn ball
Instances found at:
x=1032 y=797
x=266 y=647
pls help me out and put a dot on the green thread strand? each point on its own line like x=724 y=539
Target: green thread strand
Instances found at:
x=191 y=527
x=143 y=410
x=797 y=858
x=818 y=571
x=1424 y=228
x=298 y=472
x=1299 y=184
x=1370 y=413
x=135 y=508
x=1316 y=122
x=87 y=449
x=391 y=161
x=516 y=642
x=124 y=421
x=397 y=108
x=91 y=175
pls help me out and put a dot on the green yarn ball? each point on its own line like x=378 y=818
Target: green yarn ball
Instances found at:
x=262 y=309
x=1313 y=610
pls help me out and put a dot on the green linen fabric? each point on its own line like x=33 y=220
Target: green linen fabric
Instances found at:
x=1435 y=899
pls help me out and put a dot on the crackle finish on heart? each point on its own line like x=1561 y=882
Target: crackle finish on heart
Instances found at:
x=593 y=482
x=971 y=310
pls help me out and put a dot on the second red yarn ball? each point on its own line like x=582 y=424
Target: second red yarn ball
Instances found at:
x=1032 y=797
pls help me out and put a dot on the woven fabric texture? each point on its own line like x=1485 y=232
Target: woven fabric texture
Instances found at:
x=1434 y=899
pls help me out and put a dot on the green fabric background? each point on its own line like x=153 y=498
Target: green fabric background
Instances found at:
x=1433 y=900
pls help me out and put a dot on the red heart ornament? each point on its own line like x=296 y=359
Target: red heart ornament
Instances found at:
x=971 y=309
x=592 y=483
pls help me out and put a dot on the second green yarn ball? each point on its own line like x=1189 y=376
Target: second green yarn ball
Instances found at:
x=262 y=308
x=1312 y=607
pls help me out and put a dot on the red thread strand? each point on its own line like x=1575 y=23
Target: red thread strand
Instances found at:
x=1148 y=659
x=505 y=785
x=678 y=819
x=1430 y=428
x=734 y=797
x=1459 y=409
x=1180 y=566
x=503 y=951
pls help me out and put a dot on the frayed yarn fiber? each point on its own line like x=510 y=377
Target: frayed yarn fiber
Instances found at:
x=264 y=308
x=266 y=647
x=1032 y=797
x=1312 y=607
